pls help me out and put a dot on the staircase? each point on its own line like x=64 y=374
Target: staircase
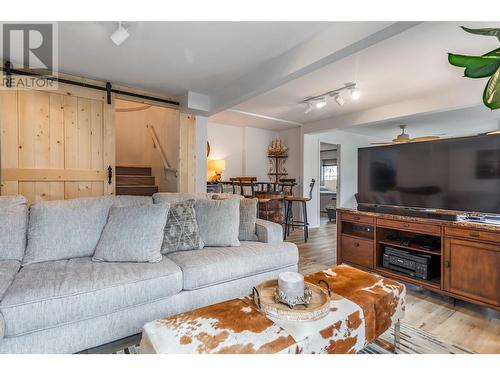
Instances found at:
x=135 y=181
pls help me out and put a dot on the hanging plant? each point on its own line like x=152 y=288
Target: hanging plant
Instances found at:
x=487 y=65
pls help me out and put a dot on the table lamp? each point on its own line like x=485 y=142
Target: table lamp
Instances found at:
x=217 y=166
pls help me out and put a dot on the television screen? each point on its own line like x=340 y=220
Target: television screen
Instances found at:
x=456 y=174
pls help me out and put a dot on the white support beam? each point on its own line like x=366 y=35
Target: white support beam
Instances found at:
x=465 y=95
x=195 y=103
x=327 y=47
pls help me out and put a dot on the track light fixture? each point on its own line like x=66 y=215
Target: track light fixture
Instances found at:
x=340 y=101
x=120 y=35
x=320 y=101
x=309 y=108
x=355 y=94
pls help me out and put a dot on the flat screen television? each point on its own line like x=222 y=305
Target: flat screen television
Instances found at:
x=460 y=174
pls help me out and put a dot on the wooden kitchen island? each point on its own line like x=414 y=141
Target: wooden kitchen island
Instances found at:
x=466 y=254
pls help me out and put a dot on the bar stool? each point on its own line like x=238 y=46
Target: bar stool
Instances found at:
x=289 y=221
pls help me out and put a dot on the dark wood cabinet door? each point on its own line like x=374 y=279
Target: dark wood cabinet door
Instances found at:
x=472 y=269
x=357 y=251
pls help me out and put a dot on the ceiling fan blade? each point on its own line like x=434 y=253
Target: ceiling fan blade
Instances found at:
x=401 y=140
x=382 y=143
x=425 y=139
x=493 y=132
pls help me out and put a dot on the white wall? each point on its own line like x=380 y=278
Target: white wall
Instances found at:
x=255 y=158
x=226 y=142
x=243 y=148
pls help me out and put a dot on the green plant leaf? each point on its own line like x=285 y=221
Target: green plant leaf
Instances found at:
x=486 y=31
x=465 y=61
x=491 y=94
x=486 y=70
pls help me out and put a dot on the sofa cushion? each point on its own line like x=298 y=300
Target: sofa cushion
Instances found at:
x=13 y=226
x=215 y=265
x=268 y=231
x=8 y=269
x=176 y=197
x=130 y=200
x=248 y=218
x=181 y=230
x=50 y=294
x=65 y=229
x=133 y=234
x=218 y=221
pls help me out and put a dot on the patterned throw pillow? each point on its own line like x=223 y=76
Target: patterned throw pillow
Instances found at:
x=181 y=230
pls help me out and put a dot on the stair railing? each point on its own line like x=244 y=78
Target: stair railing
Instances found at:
x=157 y=146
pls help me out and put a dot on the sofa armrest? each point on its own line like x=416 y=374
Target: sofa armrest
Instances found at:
x=269 y=232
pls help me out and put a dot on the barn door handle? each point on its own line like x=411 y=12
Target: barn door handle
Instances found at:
x=447 y=264
x=110 y=174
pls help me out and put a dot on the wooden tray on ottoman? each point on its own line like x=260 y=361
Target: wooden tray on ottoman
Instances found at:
x=265 y=301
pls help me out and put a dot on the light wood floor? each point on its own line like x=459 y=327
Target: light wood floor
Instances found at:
x=473 y=327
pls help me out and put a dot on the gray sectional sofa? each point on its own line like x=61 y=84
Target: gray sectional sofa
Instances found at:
x=53 y=301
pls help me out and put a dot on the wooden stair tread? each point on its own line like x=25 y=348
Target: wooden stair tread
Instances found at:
x=129 y=180
x=135 y=180
x=136 y=190
x=134 y=171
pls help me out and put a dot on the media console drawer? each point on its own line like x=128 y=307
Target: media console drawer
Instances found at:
x=472 y=234
x=357 y=251
x=409 y=226
x=357 y=218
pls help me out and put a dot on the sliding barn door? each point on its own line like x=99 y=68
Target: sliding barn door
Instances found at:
x=56 y=144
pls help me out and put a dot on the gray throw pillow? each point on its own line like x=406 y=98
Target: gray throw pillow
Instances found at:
x=133 y=234
x=65 y=229
x=218 y=221
x=181 y=230
x=248 y=218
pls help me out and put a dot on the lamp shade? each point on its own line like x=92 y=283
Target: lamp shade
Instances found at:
x=217 y=165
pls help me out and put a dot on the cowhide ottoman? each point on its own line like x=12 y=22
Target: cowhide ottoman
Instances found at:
x=362 y=307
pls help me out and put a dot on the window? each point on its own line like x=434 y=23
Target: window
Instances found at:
x=329 y=172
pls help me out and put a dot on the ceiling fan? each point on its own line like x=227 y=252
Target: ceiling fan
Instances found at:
x=405 y=138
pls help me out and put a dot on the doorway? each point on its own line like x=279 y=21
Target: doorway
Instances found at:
x=147 y=148
x=329 y=164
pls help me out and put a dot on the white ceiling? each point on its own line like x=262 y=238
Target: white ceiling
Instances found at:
x=457 y=123
x=175 y=57
x=410 y=64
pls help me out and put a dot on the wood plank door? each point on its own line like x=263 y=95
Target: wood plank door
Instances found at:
x=56 y=144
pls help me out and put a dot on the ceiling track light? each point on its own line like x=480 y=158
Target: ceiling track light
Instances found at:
x=321 y=103
x=340 y=100
x=120 y=35
x=355 y=93
x=320 y=100
x=309 y=108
